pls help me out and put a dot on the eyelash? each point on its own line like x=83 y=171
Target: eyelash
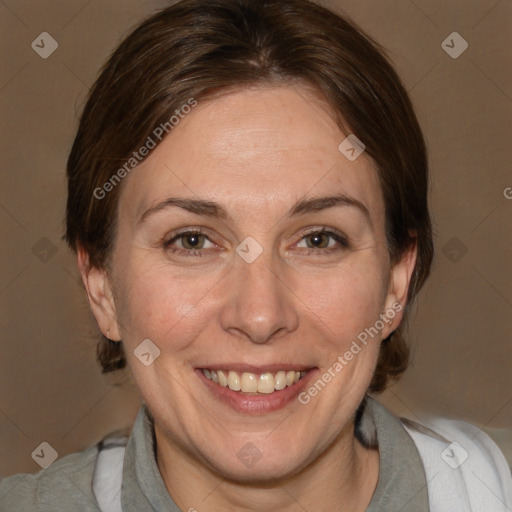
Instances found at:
x=185 y=252
x=338 y=237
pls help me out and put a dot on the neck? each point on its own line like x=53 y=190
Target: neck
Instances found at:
x=327 y=483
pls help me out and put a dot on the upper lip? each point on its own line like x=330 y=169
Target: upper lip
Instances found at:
x=257 y=368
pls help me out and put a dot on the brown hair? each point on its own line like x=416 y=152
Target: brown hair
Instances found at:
x=197 y=48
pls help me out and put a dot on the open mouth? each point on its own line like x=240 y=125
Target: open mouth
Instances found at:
x=254 y=383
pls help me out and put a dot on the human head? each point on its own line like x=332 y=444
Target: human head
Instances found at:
x=199 y=50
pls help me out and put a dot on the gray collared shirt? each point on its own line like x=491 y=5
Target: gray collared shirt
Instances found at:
x=67 y=484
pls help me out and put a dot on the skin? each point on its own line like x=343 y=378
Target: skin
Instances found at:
x=256 y=152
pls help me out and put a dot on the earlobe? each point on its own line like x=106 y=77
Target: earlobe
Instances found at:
x=99 y=293
x=399 y=283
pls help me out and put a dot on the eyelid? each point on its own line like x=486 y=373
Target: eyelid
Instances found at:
x=341 y=242
x=336 y=234
x=173 y=237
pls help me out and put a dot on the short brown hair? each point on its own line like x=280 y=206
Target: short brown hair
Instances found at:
x=199 y=48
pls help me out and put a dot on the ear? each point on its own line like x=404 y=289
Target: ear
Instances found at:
x=399 y=282
x=100 y=296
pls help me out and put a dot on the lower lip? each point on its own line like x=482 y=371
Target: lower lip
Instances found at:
x=257 y=403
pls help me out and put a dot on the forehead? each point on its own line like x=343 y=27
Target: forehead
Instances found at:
x=253 y=148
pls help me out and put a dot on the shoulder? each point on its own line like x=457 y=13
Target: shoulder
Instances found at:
x=462 y=463
x=65 y=485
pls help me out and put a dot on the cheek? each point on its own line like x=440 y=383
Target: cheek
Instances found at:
x=173 y=306
x=163 y=305
x=345 y=301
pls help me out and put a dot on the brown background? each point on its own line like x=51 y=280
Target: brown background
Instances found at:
x=52 y=389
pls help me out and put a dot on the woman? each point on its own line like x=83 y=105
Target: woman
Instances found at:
x=248 y=203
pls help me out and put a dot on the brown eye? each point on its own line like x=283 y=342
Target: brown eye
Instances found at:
x=327 y=240
x=189 y=242
x=317 y=241
x=192 y=241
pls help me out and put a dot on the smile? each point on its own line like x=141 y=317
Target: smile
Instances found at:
x=254 y=389
x=264 y=383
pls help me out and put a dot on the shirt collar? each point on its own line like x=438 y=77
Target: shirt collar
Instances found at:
x=402 y=484
x=143 y=488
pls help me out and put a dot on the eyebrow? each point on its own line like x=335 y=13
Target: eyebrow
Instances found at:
x=215 y=210
x=197 y=206
x=317 y=204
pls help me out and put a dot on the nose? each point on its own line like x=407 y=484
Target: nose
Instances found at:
x=259 y=305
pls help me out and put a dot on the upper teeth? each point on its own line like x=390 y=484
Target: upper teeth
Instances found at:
x=252 y=382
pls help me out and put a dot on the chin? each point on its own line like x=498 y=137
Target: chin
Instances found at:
x=263 y=471
x=258 y=461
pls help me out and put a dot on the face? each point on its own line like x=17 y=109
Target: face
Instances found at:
x=249 y=246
